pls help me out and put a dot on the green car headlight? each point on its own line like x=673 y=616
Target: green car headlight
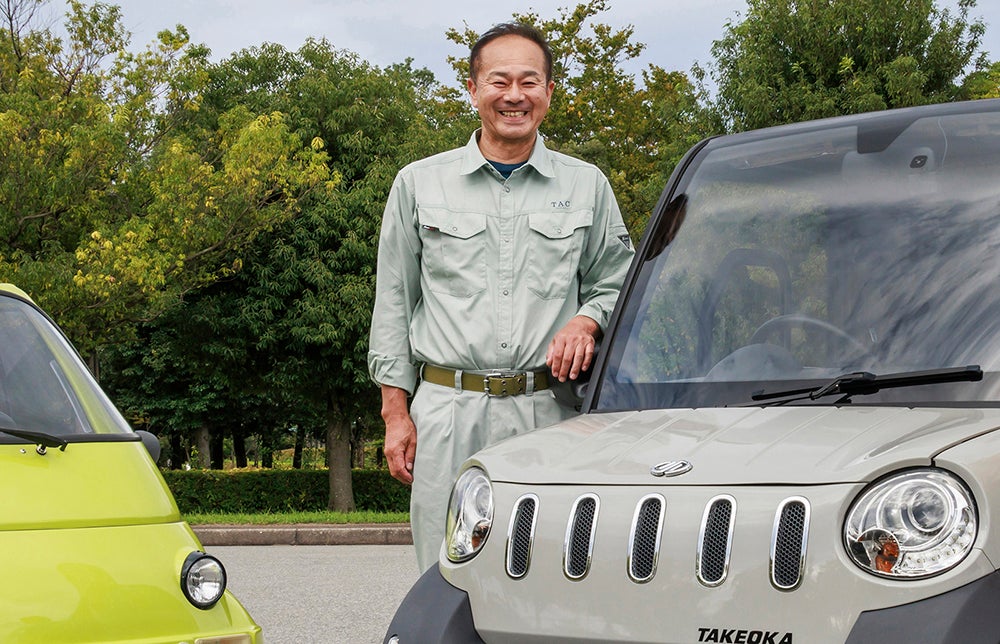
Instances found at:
x=203 y=580
x=912 y=524
x=470 y=515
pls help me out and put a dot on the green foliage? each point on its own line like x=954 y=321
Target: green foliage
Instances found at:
x=792 y=60
x=108 y=213
x=272 y=491
x=288 y=518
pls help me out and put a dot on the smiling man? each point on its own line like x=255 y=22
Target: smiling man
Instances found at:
x=499 y=265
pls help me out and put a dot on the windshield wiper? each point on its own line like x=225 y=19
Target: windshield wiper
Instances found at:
x=861 y=383
x=41 y=439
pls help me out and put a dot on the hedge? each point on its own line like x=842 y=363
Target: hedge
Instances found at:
x=246 y=491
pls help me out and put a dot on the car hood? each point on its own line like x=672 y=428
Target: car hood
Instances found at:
x=731 y=446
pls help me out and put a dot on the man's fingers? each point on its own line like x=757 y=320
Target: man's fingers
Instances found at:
x=400 y=468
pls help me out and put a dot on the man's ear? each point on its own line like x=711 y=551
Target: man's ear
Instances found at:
x=471 y=85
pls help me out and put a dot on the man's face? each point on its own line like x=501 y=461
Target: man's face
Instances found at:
x=510 y=91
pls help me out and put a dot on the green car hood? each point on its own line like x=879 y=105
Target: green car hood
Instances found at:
x=734 y=446
x=87 y=485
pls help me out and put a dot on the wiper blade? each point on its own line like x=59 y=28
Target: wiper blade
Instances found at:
x=41 y=439
x=863 y=383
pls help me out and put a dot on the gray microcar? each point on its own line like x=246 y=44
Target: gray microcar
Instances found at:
x=792 y=432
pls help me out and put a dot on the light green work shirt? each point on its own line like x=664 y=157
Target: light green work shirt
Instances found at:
x=476 y=272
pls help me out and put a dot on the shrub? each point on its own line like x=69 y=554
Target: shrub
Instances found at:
x=250 y=491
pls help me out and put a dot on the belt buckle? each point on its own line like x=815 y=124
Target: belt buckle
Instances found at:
x=506 y=378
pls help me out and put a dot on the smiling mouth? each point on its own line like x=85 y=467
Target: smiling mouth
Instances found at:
x=510 y=114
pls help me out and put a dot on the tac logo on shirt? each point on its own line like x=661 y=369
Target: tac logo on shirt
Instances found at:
x=626 y=241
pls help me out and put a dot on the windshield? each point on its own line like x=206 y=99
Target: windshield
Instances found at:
x=44 y=387
x=793 y=257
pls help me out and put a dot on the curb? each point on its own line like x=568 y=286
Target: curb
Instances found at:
x=304 y=534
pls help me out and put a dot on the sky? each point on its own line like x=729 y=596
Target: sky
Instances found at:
x=677 y=33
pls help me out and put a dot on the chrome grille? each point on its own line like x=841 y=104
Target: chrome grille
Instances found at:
x=714 y=549
x=716 y=540
x=579 y=546
x=644 y=539
x=520 y=535
x=788 y=543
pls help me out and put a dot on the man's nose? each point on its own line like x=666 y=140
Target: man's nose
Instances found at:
x=514 y=92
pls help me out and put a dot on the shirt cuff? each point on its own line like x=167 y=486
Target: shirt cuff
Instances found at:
x=392 y=371
x=596 y=312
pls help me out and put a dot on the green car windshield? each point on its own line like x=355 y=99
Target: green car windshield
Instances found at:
x=44 y=386
x=787 y=258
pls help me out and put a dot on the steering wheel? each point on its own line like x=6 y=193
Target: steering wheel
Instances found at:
x=792 y=319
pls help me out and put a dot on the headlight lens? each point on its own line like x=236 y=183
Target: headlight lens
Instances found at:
x=470 y=514
x=913 y=524
x=203 y=579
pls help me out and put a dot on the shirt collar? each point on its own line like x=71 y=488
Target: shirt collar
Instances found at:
x=540 y=159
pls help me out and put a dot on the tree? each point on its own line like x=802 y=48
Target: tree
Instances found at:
x=291 y=326
x=108 y=213
x=792 y=60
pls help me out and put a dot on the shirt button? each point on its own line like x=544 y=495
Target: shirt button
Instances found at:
x=558 y=231
x=504 y=345
x=506 y=292
x=506 y=188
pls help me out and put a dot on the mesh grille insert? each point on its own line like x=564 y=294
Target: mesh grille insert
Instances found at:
x=645 y=546
x=522 y=530
x=789 y=548
x=713 y=559
x=579 y=537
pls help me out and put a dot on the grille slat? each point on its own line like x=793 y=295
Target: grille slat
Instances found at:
x=521 y=535
x=715 y=543
x=580 y=531
x=788 y=543
x=644 y=540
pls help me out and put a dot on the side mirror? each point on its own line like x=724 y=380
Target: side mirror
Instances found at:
x=151 y=442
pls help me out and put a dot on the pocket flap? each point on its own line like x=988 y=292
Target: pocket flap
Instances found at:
x=462 y=225
x=558 y=225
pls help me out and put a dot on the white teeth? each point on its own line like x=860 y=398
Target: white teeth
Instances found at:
x=513 y=114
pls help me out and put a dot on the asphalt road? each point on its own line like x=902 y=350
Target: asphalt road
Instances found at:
x=320 y=594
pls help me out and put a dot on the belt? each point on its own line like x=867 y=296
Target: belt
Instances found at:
x=498 y=382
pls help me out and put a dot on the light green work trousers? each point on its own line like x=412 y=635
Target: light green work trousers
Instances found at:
x=452 y=425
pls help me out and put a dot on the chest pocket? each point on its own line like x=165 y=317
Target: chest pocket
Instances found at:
x=454 y=251
x=556 y=241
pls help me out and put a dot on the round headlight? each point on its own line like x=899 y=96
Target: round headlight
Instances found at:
x=470 y=514
x=913 y=524
x=203 y=579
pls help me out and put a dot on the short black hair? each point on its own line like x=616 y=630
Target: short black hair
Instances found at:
x=521 y=29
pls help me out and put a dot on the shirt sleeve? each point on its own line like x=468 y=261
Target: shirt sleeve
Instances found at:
x=606 y=257
x=397 y=291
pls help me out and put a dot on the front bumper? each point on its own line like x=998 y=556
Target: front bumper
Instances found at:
x=966 y=615
x=436 y=612
x=433 y=612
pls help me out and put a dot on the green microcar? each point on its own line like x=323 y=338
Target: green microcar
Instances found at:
x=92 y=546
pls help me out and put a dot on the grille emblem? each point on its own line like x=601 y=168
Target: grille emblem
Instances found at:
x=671 y=468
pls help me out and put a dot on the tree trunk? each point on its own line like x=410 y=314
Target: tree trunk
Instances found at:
x=338 y=449
x=239 y=447
x=300 y=441
x=204 y=451
x=216 y=444
x=357 y=445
